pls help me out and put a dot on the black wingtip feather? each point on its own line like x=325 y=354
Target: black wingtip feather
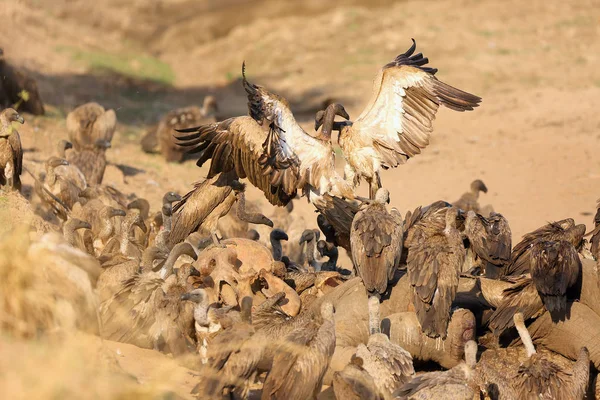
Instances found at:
x=416 y=60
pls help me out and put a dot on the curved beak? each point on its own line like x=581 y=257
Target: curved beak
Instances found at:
x=194 y=272
x=117 y=212
x=185 y=296
x=142 y=225
x=20 y=119
x=85 y=225
x=306 y=236
x=319 y=119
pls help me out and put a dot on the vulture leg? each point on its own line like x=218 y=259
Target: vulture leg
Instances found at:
x=374 y=185
x=253 y=218
x=215 y=239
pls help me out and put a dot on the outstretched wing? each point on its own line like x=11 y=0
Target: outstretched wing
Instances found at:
x=400 y=114
x=291 y=156
x=234 y=145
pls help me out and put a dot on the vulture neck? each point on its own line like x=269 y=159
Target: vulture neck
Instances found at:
x=50 y=176
x=148 y=257
x=277 y=249
x=107 y=228
x=175 y=253
x=374 y=326
x=70 y=233
x=526 y=339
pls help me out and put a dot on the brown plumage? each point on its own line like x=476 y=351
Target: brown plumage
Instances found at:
x=56 y=187
x=435 y=257
x=70 y=228
x=269 y=148
x=13 y=83
x=144 y=312
x=469 y=200
x=88 y=124
x=354 y=383
x=389 y=365
x=11 y=152
x=565 y=229
x=335 y=219
x=233 y=357
x=457 y=383
x=555 y=267
x=91 y=161
x=124 y=242
x=202 y=208
x=490 y=239
x=182 y=118
x=301 y=359
x=396 y=123
x=70 y=173
x=376 y=240
x=512 y=373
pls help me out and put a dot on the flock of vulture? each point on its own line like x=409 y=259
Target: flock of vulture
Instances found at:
x=437 y=304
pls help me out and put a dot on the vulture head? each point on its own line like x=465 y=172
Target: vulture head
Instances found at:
x=478 y=186
x=309 y=235
x=102 y=144
x=140 y=204
x=171 y=197
x=326 y=117
x=198 y=296
x=11 y=115
x=278 y=234
x=382 y=196
x=54 y=162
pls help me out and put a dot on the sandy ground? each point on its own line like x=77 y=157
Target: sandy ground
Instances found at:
x=534 y=141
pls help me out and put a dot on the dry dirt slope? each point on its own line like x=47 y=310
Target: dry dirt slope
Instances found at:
x=534 y=140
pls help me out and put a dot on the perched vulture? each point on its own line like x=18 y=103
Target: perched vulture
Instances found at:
x=489 y=239
x=468 y=201
x=435 y=258
x=376 y=241
x=91 y=162
x=11 y=153
x=520 y=259
x=89 y=123
x=269 y=148
x=397 y=122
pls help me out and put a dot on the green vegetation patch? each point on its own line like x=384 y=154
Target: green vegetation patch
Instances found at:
x=132 y=65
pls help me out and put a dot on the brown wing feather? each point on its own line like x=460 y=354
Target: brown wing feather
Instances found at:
x=521 y=297
x=339 y=213
x=236 y=145
x=555 y=266
x=376 y=241
x=433 y=263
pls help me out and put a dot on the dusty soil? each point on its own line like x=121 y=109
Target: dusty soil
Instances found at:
x=534 y=141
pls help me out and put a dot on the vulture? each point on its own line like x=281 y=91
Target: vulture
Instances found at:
x=397 y=121
x=468 y=201
x=202 y=207
x=555 y=267
x=91 y=161
x=11 y=153
x=70 y=173
x=434 y=261
x=57 y=185
x=183 y=118
x=89 y=123
x=490 y=239
x=376 y=241
x=565 y=229
x=335 y=219
x=269 y=148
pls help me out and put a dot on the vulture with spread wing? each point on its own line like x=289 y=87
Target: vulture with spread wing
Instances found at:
x=269 y=148
x=398 y=120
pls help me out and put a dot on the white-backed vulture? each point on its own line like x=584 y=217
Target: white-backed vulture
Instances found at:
x=435 y=257
x=511 y=373
x=301 y=359
x=56 y=187
x=388 y=363
x=309 y=239
x=182 y=118
x=458 y=383
x=468 y=201
x=137 y=312
x=124 y=242
x=233 y=357
x=202 y=207
x=143 y=206
x=335 y=219
x=326 y=249
x=396 y=123
x=91 y=161
x=88 y=124
x=70 y=228
x=555 y=267
x=11 y=152
x=565 y=229
x=269 y=148
x=70 y=172
x=376 y=240
x=490 y=240
x=276 y=236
